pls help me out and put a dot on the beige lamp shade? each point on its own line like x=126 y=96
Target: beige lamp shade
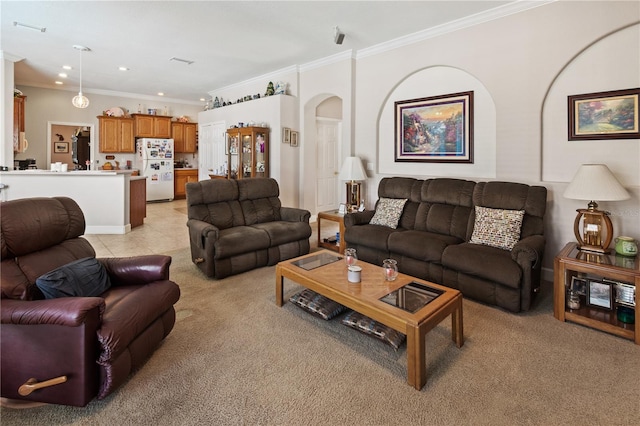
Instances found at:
x=352 y=170
x=595 y=182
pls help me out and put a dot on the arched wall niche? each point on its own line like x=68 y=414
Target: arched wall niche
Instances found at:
x=434 y=81
x=607 y=64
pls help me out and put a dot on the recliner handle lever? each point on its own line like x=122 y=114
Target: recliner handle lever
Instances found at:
x=33 y=384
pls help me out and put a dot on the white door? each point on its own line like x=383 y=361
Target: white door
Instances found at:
x=211 y=140
x=327 y=167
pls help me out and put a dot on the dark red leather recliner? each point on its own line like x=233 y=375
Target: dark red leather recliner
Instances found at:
x=69 y=350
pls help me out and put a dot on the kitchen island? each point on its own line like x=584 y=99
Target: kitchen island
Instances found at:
x=103 y=196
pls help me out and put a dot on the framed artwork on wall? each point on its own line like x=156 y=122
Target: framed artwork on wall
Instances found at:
x=604 y=115
x=61 y=147
x=437 y=129
x=286 y=135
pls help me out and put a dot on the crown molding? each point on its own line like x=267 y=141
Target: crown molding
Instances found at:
x=258 y=79
x=338 y=57
x=449 y=27
x=10 y=56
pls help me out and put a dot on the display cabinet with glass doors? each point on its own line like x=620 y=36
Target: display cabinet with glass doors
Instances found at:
x=247 y=152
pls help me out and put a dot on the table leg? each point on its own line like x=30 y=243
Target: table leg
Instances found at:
x=457 y=327
x=279 y=286
x=416 y=362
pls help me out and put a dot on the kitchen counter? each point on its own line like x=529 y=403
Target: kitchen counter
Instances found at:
x=103 y=195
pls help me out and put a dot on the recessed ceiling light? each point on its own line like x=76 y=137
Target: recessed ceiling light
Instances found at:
x=160 y=94
x=30 y=27
x=202 y=99
x=123 y=68
x=62 y=74
x=59 y=82
x=67 y=67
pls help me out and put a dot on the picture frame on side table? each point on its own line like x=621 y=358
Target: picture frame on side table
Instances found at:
x=437 y=129
x=600 y=294
x=294 y=139
x=286 y=135
x=604 y=115
x=61 y=147
x=578 y=285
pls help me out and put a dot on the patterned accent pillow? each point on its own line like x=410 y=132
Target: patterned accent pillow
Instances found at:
x=317 y=304
x=388 y=212
x=497 y=227
x=372 y=328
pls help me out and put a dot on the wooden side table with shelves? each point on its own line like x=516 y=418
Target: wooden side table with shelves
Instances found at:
x=334 y=216
x=571 y=262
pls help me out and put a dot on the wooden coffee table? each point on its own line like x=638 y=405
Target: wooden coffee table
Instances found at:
x=331 y=281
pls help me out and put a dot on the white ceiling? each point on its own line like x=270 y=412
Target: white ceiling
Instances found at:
x=229 y=41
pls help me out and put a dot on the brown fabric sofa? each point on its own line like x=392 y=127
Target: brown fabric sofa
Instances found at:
x=432 y=238
x=239 y=225
x=96 y=342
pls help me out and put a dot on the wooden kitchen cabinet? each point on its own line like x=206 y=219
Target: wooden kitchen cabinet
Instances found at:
x=185 y=137
x=182 y=177
x=152 y=126
x=116 y=134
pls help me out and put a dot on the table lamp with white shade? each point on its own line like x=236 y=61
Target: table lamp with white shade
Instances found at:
x=352 y=172
x=594 y=182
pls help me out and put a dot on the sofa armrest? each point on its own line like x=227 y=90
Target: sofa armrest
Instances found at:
x=137 y=270
x=292 y=214
x=200 y=231
x=529 y=250
x=65 y=311
x=358 y=218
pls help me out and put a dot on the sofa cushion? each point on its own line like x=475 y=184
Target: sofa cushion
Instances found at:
x=370 y=236
x=373 y=328
x=284 y=232
x=388 y=211
x=84 y=277
x=489 y=263
x=240 y=240
x=497 y=227
x=420 y=245
x=317 y=304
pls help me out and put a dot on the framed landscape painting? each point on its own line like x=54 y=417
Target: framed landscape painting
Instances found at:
x=604 y=115
x=437 y=129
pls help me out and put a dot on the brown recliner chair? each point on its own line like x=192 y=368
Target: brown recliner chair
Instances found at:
x=68 y=350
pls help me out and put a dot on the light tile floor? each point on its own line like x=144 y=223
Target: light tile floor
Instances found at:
x=164 y=230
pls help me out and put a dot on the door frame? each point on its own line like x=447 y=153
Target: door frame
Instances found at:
x=92 y=138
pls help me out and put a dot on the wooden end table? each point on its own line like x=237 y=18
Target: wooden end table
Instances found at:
x=572 y=262
x=331 y=281
x=333 y=216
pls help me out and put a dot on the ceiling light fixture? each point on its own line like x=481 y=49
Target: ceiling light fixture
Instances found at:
x=338 y=36
x=62 y=74
x=80 y=101
x=67 y=67
x=30 y=27
x=123 y=68
x=186 y=61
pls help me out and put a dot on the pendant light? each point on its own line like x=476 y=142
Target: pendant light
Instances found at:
x=80 y=101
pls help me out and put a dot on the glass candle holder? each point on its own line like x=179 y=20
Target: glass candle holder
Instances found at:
x=350 y=257
x=390 y=267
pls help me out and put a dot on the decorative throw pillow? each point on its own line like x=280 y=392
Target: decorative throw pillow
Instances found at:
x=84 y=277
x=372 y=328
x=497 y=227
x=317 y=304
x=388 y=212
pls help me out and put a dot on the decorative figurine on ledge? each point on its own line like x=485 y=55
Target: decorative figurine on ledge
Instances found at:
x=281 y=88
x=270 y=89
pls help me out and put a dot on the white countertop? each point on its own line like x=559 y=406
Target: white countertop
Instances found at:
x=69 y=173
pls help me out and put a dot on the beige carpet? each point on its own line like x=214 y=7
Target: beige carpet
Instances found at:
x=235 y=358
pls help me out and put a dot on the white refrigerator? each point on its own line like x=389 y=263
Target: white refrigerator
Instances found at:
x=154 y=159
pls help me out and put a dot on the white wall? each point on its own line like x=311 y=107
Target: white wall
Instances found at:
x=516 y=59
